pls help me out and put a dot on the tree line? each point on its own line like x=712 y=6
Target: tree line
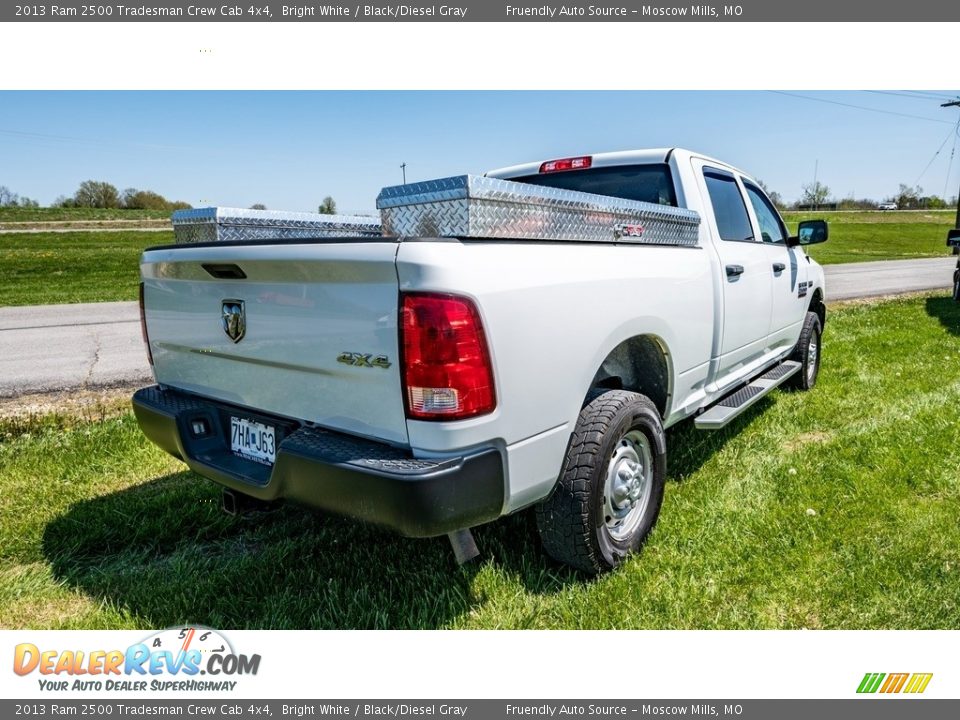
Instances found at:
x=99 y=194
x=818 y=195
x=8 y=198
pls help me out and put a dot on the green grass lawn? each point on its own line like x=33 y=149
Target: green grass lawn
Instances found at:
x=891 y=235
x=13 y=214
x=831 y=509
x=41 y=268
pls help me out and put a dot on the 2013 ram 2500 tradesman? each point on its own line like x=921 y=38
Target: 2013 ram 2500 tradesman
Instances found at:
x=499 y=342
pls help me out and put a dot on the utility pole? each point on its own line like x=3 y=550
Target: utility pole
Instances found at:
x=403 y=167
x=956 y=104
x=816 y=190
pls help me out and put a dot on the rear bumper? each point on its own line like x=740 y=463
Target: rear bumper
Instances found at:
x=331 y=471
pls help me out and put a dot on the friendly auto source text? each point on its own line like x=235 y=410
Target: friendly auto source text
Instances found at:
x=562 y=11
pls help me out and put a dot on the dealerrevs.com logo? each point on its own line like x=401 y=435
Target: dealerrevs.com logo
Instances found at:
x=911 y=683
x=178 y=659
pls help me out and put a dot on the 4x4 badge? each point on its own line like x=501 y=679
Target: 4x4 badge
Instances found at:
x=364 y=360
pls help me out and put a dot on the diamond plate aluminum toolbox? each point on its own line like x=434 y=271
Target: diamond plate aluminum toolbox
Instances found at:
x=482 y=207
x=221 y=224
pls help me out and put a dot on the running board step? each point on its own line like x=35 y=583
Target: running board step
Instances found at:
x=723 y=412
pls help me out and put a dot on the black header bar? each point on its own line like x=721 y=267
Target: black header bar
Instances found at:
x=497 y=11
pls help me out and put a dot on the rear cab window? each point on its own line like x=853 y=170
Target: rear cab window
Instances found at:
x=648 y=182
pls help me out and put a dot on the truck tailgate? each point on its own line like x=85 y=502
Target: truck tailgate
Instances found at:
x=306 y=331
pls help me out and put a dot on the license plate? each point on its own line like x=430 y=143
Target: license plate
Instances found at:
x=253 y=441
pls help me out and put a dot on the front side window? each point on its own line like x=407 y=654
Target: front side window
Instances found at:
x=771 y=229
x=728 y=206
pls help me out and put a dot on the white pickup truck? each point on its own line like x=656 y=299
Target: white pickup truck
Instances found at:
x=496 y=343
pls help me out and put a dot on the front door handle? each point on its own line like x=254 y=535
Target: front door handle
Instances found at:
x=734 y=270
x=779 y=267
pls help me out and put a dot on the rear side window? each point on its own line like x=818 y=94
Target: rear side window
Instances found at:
x=650 y=182
x=771 y=229
x=728 y=207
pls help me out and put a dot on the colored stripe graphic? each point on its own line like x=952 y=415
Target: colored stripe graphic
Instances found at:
x=870 y=683
x=918 y=683
x=894 y=683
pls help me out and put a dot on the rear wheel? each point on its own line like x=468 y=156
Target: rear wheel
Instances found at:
x=609 y=493
x=807 y=353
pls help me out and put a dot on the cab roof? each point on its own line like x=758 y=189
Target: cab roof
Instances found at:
x=611 y=159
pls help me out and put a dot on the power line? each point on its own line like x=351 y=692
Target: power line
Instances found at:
x=910 y=94
x=860 y=107
x=930 y=95
x=953 y=150
x=92 y=141
x=939 y=149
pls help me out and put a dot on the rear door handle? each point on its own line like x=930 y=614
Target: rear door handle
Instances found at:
x=779 y=267
x=734 y=270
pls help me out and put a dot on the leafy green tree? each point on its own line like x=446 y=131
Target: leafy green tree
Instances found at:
x=932 y=202
x=134 y=199
x=908 y=198
x=8 y=198
x=144 y=200
x=328 y=206
x=258 y=206
x=96 y=194
x=815 y=194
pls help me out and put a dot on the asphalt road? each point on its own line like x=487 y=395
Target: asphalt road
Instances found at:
x=867 y=279
x=45 y=348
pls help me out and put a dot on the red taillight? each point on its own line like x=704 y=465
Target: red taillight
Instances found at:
x=574 y=163
x=446 y=365
x=143 y=327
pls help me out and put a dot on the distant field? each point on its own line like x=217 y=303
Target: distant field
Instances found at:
x=71 y=267
x=8 y=215
x=891 y=235
x=94 y=265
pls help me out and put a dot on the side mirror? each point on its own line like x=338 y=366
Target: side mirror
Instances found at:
x=810 y=232
x=953 y=238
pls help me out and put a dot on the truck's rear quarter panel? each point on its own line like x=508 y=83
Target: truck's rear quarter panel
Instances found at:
x=552 y=312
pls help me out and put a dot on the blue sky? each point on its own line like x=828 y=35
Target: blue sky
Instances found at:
x=290 y=149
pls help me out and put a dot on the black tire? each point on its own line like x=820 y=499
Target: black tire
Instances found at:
x=572 y=521
x=811 y=332
x=956 y=284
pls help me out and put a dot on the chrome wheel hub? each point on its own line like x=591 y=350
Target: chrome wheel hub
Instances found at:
x=628 y=486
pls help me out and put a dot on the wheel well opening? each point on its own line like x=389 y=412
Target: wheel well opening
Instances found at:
x=638 y=365
x=817 y=306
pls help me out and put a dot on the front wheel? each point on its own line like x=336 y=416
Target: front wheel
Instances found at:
x=609 y=493
x=807 y=353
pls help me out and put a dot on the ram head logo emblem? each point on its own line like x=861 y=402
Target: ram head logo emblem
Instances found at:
x=234 y=319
